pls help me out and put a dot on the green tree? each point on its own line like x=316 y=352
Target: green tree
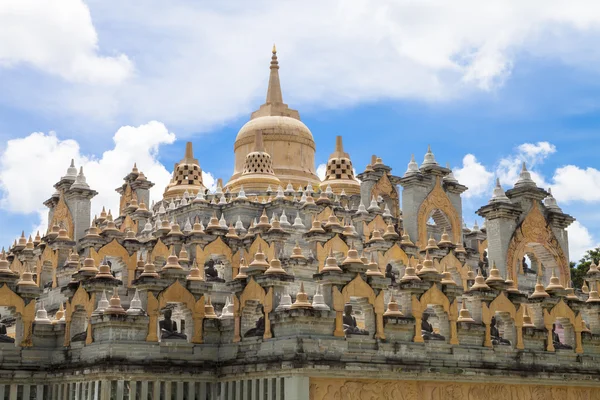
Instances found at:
x=579 y=270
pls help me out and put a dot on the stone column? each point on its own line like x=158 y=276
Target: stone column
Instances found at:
x=501 y=221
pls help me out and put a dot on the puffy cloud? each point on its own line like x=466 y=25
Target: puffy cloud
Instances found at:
x=209 y=181
x=580 y=240
x=475 y=176
x=29 y=166
x=321 y=169
x=532 y=154
x=25 y=166
x=58 y=38
x=332 y=53
x=572 y=183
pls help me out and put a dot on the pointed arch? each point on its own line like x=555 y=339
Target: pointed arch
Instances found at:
x=436 y=297
x=324 y=215
x=253 y=291
x=177 y=293
x=437 y=199
x=357 y=287
x=335 y=243
x=128 y=223
x=500 y=304
x=377 y=223
x=62 y=215
x=217 y=246
x=83 y=299
x=115 y=249
x=17 y=266
x=49 y=258
x=452 y=263
x=160 y=250
x=8 y=298
x=534 y=229
x=126 y=198
x=268 y=250
x=393 y=254
x=384 y=188
x=562 y=310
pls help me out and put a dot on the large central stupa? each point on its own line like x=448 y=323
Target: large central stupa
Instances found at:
x=289 y=142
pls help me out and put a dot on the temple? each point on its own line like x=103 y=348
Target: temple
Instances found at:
x=281 y=286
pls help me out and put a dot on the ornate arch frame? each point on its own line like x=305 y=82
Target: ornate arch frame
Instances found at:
x=88 y=302
x=384 y=188
x=115 y=249
x=357 y=287
x=336 y=243
x=393 y=254
x=434 y=296
x=175 y=293
x=437 y=199
x=450 y=261
x=377 y=223
x=252 y=291
x=8 y=298
x=562 y=310
x=503 y=304
x=62 y=214
x=217 y=246
x=50 y=256
x=534 y=229
x=268 y=250
x=159 y=250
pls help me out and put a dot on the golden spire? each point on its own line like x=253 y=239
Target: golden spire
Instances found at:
x=189 y=154
x=274 y=95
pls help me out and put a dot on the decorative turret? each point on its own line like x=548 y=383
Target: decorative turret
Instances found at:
x=393 y=309
x=339 y=174
x=550 y=202
x=429 y=158
x=539 y=292
x=187 y=176
x=498 y=195
x=464 y=315
x=524 y=178
x=413 y=167
x=114 y=304
x=301 y=299
x=257 y=174
x=318 y=302
x=289 y=142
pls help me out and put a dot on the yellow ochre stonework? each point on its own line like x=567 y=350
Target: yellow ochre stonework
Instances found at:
x=349 y=389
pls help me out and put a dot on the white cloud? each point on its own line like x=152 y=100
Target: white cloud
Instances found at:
x=209 y=181
x=580 y=240
x=29 y=167
x=188 y=54
x=572 y=183
x=57 y=38
x=532 y=154
x=475 y=176
x=321 y=169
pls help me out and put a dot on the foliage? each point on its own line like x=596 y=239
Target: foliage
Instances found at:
x=579 y=270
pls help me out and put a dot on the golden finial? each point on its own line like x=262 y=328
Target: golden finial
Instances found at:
x=274 y=49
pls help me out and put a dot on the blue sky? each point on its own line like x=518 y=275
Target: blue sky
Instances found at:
x=486 y=88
